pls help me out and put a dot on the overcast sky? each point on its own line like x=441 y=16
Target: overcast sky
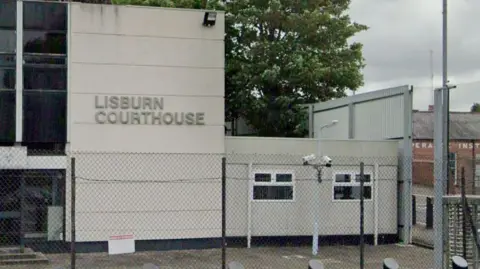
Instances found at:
x=402 y=33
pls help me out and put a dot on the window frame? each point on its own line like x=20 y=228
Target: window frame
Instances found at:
x=272 y=183
x=352 y=183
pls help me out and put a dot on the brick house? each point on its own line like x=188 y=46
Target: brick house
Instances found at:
x=464 y=149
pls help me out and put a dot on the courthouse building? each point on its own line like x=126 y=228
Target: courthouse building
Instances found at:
x=136 y=96
x=78 y=78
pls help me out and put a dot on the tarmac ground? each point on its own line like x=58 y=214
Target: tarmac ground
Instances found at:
x=333 y=257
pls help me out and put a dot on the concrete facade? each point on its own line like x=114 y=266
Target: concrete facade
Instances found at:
x=139 y=59
x=139 y=105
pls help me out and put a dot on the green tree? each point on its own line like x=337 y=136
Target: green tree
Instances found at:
x=284 y=53
x=475 y=107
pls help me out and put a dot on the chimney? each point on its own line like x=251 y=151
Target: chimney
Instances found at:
x=430 y=108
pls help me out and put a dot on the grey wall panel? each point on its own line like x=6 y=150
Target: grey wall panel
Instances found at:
x=338 y=131
x=379 y=119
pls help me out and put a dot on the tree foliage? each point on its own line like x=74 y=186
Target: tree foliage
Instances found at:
x=284 y=53
x=281 y=54
x=475 y=107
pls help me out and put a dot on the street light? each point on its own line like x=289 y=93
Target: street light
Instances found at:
x=319 y=132
x=316 y=215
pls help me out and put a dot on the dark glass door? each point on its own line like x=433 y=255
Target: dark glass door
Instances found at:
x=27 y=197
x=10 y=208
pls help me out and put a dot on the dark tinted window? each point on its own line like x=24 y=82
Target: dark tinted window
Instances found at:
x=284 y=178
x=44 y=112
x=273 y=192
x=37 y=78
x=7 y=30
x=342 y=178
x=7 y=60
x=259 y=177
x=7 y=71
x=44 y=116
x=351 y=192
x=8 y=14
x=367 y=178
x=44 y=16
x=7 y=78
x=44 y=42
x=8 y=41
x=7 y=116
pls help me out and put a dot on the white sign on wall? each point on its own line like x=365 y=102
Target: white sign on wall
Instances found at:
x=121 y=244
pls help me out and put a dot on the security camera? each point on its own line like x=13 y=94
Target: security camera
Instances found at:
x=307 y=159
x=327 y=160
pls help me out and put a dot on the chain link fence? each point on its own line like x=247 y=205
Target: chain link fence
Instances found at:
x=463 y=171
x=125 y=210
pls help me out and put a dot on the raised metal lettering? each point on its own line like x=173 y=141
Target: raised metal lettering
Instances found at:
x=124 y=117
x=112 y=117
x=200 y=117
x=113 y=102
x=167 y=118
x=125 y=104
x=97 y=103
x=189 y=118
x=100 y=117
x=118 y=110
x=147 y=103
x=135 y=118
x=157 y=118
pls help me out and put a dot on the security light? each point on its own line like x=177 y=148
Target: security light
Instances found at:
x=209 y=18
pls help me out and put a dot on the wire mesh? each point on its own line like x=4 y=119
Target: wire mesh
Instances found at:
x=170 y=207
x=276 y=205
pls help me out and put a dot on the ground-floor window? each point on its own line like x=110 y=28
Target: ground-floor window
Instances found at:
x=32 y=201
x=346 y=186
x=273 y=186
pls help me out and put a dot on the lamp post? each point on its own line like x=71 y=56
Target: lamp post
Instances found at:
x=316 y=212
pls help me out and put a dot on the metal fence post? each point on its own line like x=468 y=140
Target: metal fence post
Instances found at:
x=362 y=243
x=22 y=213
x=72 y=214
x=464 y=213
x=224 y=209
x=414 y=210
x=429 y=212
x=474 y=192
